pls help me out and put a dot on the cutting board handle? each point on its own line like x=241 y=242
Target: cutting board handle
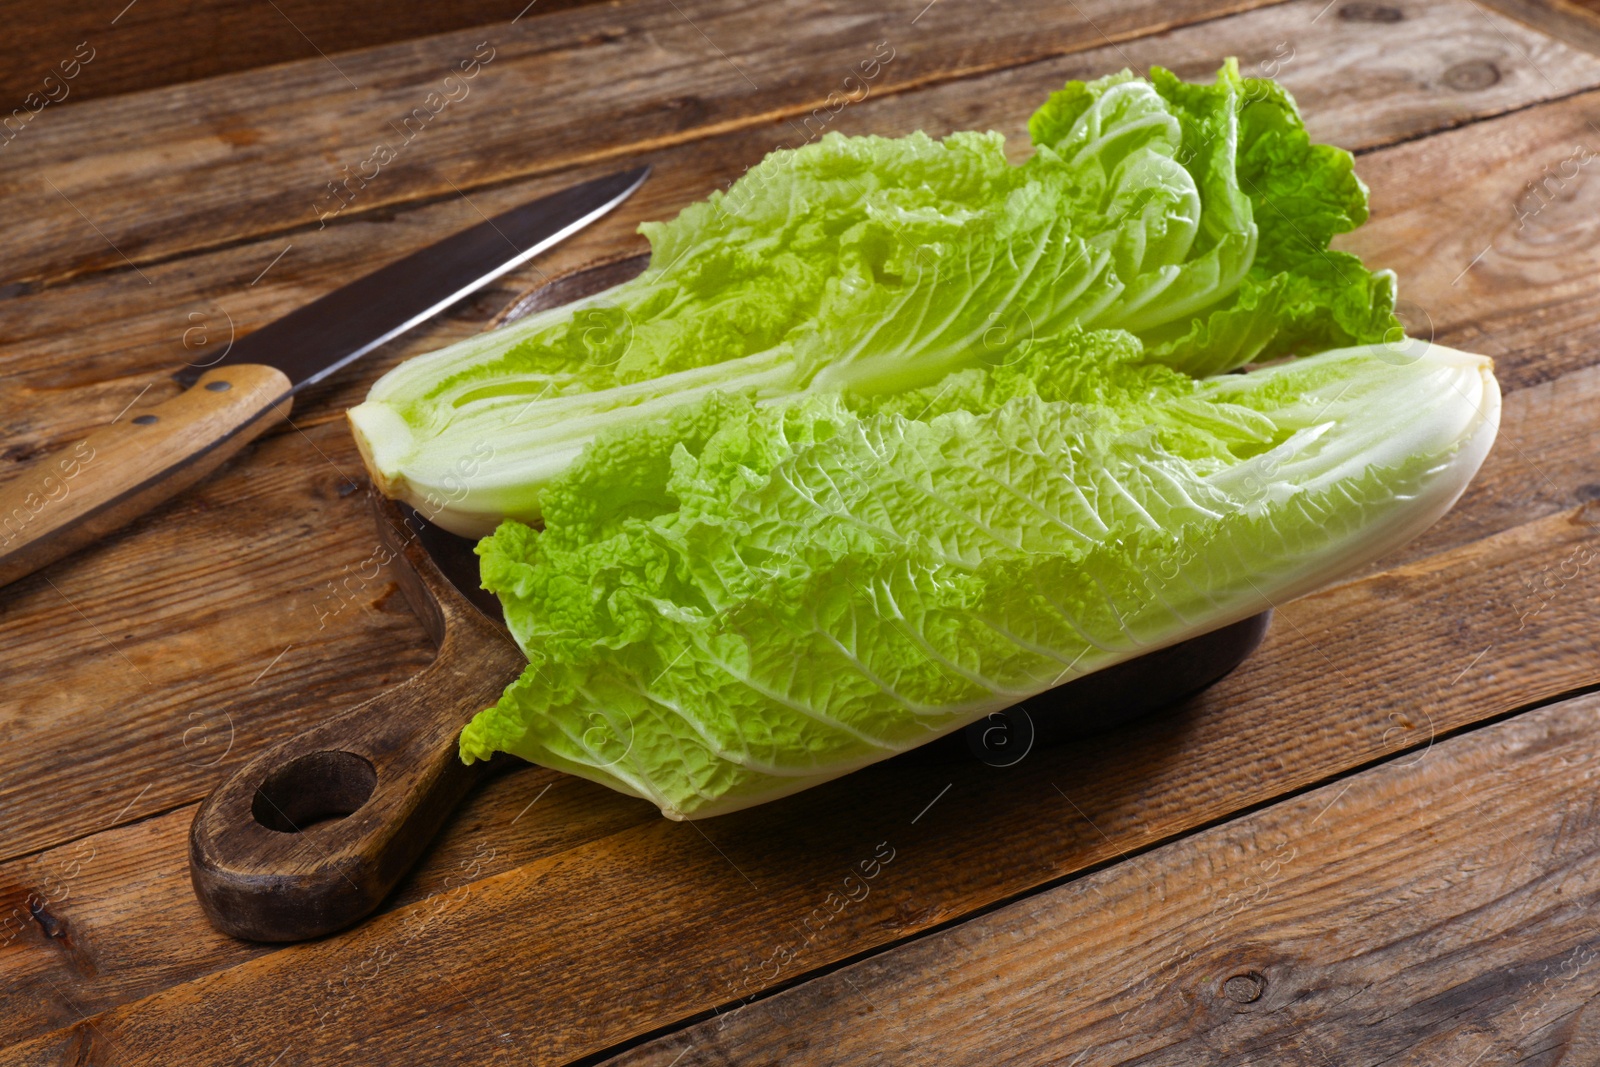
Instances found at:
x=122 y=470
x=312 y=834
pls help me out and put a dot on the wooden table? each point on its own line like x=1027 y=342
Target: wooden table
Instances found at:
x=1376 y=842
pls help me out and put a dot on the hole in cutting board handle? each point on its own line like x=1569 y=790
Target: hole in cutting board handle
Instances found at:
x=313 y=788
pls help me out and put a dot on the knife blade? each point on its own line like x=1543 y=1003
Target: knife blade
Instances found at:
x=313 y=341
x=126 y=468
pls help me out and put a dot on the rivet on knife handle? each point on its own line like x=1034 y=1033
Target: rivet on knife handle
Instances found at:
x=120 y=471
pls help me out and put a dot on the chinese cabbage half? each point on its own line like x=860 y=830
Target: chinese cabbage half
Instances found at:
x=895 y=434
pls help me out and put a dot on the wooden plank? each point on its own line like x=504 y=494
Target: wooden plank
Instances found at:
x=542 y=960
x=1575 y=21
x=133 y=924
x=79 y=352
x=1492 y=230
x=241 y=566
x=163 y=42
x=277 y=533
x=112 y=917
x=1433 y=910
x=161 y=670
x=204 y=165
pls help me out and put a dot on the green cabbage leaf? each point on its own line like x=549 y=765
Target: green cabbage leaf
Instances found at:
x=1196 y=217
x=743 y=600
x=895 y=433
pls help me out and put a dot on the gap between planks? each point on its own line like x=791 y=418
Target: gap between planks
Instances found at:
x=1418 y=104
x=503 y=891
x=572 y=31
x=1280 y=935
x=1562 y=19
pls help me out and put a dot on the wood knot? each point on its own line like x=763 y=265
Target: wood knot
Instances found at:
x=1472 y=76
x=22 y=452
x=607 y=35
x=1371 y=13
x=1244 y=988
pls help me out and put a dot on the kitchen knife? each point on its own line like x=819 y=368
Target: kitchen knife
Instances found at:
x=122 y=470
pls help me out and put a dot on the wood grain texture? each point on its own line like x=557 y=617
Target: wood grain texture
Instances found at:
x=1493 y=230
x=127 y=925
x=1458 y=637
x=208 y=164
x=312 y=834
x=280 y=543
x=165 y=42
x=1574 y=21
x=132 y=665
x=202 y=166
x=1436 y=909
x=212 y=625
x=113 y=917
x=130 y=465
x=78 y=353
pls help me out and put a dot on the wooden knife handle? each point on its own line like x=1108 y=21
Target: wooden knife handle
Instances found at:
x=120 y=471
x=312 y=834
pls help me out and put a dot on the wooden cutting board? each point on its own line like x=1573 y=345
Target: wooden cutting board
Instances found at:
x=555 y=921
